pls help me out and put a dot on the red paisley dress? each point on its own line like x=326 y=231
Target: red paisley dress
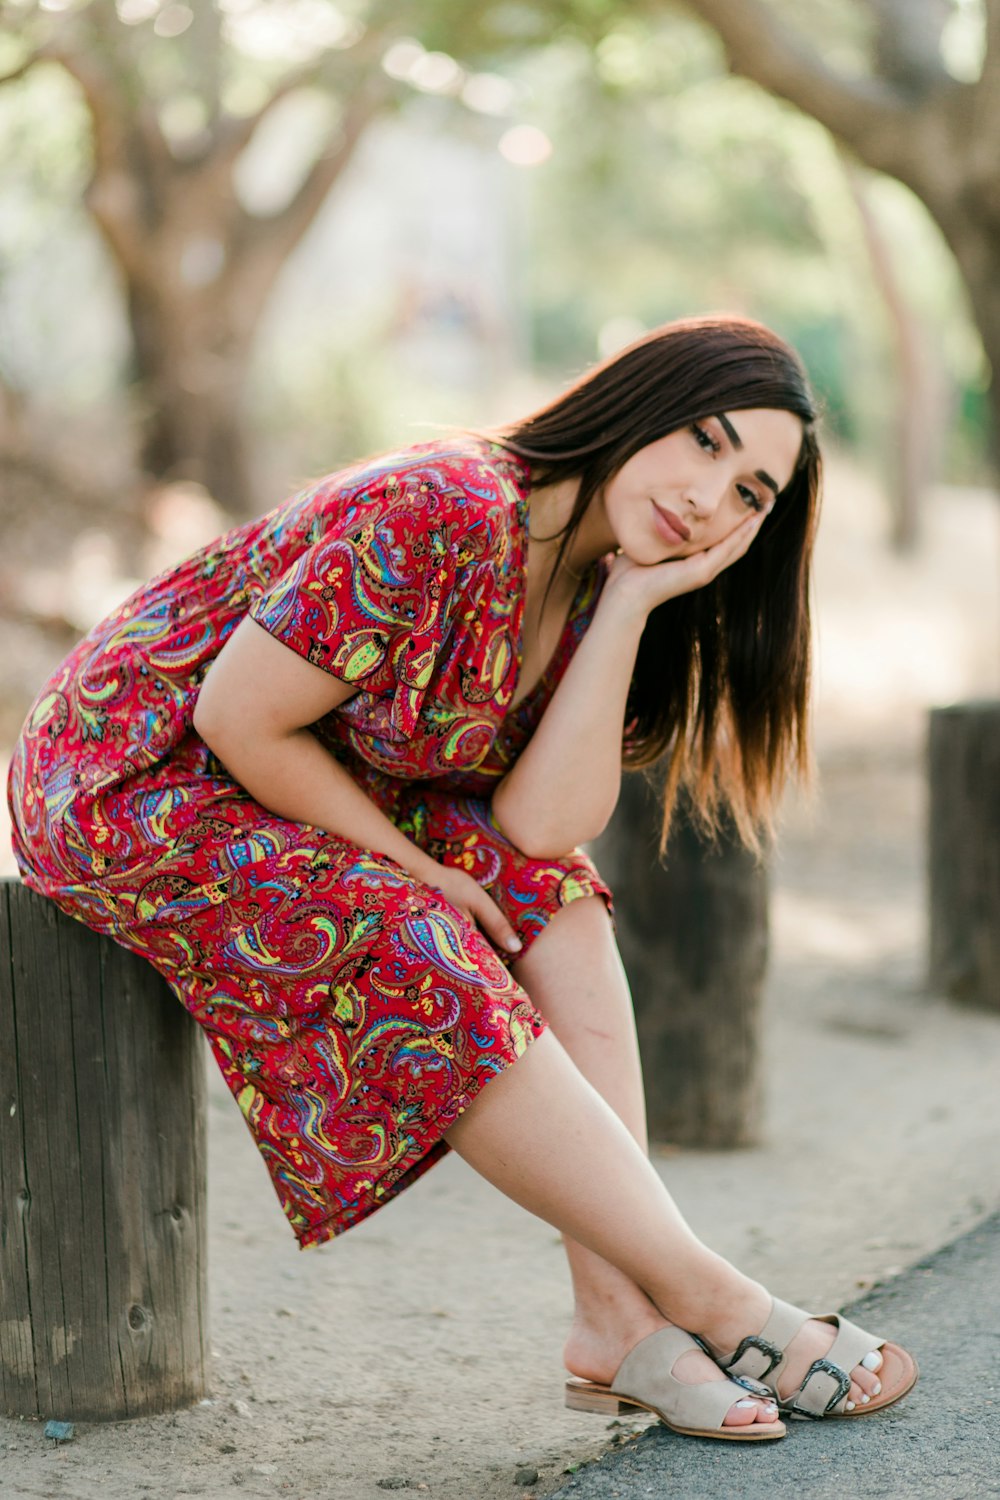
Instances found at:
x=353 y=1011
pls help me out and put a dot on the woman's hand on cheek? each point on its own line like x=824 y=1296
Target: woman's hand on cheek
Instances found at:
x=644 y=586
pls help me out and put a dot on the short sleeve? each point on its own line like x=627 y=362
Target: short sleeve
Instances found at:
x=369 y=603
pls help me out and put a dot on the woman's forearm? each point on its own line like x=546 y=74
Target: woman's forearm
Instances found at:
x=294 y=776
x=563 y=787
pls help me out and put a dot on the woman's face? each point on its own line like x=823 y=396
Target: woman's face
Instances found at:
x=690 y=489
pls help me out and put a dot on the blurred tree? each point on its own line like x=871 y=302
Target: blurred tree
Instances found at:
x=911 y=87
x=178 y=97
x=677 y=187
x=217 y=132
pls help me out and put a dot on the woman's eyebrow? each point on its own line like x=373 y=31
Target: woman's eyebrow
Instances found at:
x=737 y=443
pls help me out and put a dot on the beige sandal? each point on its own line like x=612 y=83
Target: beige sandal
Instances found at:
x=644 y=1380
x=824 y=1390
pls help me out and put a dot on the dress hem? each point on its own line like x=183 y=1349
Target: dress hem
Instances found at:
x=436 y=1147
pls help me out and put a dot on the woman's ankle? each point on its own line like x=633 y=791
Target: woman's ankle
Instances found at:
x=601 y=1335
x=717 y=1302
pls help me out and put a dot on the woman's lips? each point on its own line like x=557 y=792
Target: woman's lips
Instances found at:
x=670 y=527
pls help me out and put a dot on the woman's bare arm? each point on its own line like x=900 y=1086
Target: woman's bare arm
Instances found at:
x=253 y=711
x=563 y=787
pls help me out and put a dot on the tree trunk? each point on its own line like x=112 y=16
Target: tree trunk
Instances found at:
x=201 y=438
x=103 y=1305
x=915 y=452
x=693 y=935
x=964 y=852
x=976 y=246
x=188 y=368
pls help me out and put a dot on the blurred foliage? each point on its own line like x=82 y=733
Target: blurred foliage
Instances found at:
x=671 y=188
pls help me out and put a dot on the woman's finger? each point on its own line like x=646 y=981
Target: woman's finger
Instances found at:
x=738 y=541
x=493 y=922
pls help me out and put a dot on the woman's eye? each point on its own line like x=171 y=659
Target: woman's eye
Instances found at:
x=750 y=497
x=704 y=438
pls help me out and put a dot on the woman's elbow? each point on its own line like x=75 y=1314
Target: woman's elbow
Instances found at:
x=540 y=842
x=203 y=720
x=213 y=726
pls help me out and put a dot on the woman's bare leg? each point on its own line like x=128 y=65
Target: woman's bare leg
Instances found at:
x=690 y=1284
x=575 y=977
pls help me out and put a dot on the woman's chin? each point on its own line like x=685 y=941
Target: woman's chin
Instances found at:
x=648 y=553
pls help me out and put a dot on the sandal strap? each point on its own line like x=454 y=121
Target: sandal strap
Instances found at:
x=851 y=1344
x=760 y=1355
x=645 y=1374
x=826 y=1385
x=828 y=1380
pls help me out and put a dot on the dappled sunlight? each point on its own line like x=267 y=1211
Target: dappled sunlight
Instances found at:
x=89 y=586
x=830 y=928
x=897 y=635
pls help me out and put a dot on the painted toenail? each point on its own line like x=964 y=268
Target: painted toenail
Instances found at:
x=745 y=1404
x=849 y=1406
x=866 y=1399
x=872 y=1361
x=877 y=1388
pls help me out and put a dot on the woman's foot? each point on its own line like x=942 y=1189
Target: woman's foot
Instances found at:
x=732 y=1318
x=595 y=1354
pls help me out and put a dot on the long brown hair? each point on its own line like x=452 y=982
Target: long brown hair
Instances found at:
x=721 y=680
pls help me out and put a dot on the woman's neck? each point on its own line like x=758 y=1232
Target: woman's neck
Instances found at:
x=550 y=507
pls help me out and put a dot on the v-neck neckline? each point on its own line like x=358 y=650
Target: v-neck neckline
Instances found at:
x=523 y=486
x=556 y=655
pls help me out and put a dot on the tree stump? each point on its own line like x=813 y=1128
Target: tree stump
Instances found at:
x=964 y=852
x=693 y=935
x=103 y=1305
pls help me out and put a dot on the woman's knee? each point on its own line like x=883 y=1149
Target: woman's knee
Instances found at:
x=582 y=925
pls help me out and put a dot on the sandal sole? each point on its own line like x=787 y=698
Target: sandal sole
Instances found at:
x=584 y=1395
x=904 y=1382
x=905 y=1379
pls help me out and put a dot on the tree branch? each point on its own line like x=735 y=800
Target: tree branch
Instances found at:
x=266 y=244
x=991 y=62
x=908 y=44
x=335 y=70
x=866 y=113
x=39 y=55
x=234 y=132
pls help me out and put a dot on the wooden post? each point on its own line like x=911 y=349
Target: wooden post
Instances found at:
x=693 y=935
x=102 y=1176
x=964 y=852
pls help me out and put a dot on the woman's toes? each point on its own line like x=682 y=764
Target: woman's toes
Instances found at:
x=867 y=1382
x=745 y=1412
x=872 y=1361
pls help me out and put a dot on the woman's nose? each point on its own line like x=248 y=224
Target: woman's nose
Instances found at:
x=705 y=499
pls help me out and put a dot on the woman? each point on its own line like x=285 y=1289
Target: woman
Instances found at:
x=329 y=776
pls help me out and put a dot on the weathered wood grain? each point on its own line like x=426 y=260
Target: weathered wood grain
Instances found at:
x=964 y=852
x=693 y=935
x=103 y=1257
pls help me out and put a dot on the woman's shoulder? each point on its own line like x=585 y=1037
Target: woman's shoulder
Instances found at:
x=465 y=484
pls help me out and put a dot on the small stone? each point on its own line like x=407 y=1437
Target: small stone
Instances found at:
x=241 y=1408
x=395 y=1482
x=263 y=1468
x=61 y=1432
x=526 y=1476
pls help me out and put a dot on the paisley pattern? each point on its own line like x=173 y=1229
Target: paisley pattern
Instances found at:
x=353 y=1011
